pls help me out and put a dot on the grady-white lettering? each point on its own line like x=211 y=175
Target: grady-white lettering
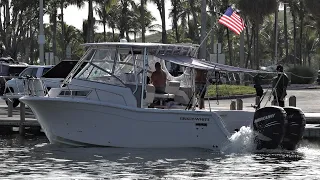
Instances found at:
x=194 y=118
x=264 y=118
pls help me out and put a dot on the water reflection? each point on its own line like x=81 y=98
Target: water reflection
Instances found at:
x=35 y=158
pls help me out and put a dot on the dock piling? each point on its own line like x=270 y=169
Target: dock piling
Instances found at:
x=239 y=104
x=10 y=107
x=22 y=118
x=233 y=105
x=293 y=101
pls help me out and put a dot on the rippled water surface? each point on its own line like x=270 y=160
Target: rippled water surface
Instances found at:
x=35 y=158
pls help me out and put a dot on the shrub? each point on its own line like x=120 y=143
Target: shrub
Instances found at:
x=230 y=90
x=301 y=75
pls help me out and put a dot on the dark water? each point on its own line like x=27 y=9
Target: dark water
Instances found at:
x=34 y=158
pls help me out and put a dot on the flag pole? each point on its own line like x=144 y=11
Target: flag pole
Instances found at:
x=207 y=34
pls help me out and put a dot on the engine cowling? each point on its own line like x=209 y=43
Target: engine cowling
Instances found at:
x=294 y=128
x=269 y=126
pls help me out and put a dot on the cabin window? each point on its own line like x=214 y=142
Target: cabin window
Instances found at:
x=45 y=70
x=26 y=72
x=74 y=93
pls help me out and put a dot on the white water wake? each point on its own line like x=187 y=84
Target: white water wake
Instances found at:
x=241 y=141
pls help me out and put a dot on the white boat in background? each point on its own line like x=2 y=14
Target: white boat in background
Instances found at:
x=106 y=102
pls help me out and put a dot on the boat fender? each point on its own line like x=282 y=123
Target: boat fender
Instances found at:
x=295 y=128
x=269 y=127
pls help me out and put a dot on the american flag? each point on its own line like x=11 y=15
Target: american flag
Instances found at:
x=232 y=20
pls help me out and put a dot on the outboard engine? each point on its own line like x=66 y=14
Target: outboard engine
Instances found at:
x=269 y=127
x=294 y=129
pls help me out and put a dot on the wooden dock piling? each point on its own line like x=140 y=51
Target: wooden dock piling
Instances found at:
x=233 y=105
x=293 y=101
x=22 y=118
x=239 y=104
x=10 y=107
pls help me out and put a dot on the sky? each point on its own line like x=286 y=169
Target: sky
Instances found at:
x=74 y=16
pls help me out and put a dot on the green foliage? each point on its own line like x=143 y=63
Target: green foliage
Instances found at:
x=257 y=9
x=230 y=90
x=302 y=75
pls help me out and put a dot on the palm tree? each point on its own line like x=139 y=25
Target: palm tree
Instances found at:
x=184 y=14
x=174 y=14
x=52 y=10
x=294 y=8
x=113 y=18
x=285 y=2
x=142 y=19
x=256 y=11
x=313 y=7
x=64 y=4
x=136 y=26
x=102 y=10
x=161 y=8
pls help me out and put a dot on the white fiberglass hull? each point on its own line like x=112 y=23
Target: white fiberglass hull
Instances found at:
x=82 y=123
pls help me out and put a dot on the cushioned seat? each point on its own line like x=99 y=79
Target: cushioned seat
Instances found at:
x=164 y=96
x=150 y=92
x=172 y=87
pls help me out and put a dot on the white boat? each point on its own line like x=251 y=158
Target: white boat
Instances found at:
x=106 y=102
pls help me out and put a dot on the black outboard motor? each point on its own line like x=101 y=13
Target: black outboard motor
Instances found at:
x=294 y=129
x=269 y=127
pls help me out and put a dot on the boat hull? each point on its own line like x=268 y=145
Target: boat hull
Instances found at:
x=93 y=123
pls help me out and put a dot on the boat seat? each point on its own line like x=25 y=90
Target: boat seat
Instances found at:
x=150 y=93
x=164 y=96
x=172 y=87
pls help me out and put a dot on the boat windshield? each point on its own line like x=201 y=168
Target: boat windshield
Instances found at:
x=112 y=66
x=100 y=68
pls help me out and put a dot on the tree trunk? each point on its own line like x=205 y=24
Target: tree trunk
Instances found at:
x=249 y=42
x=104 y=31
x=203 y=42
x=301 y=34
x=127 y=35
x=7 y=26
x=276 y=35
x=143 y=24
x=286 y=32
x=63 y=47
x=113 y=35
x=252 y=60
x=194 y=18
x=294 y=39
x=175 y=19
x=54 y=34
x=90 y=21
x=31 y=45
x=163 y=22
x=230 y=47
x=257 y=48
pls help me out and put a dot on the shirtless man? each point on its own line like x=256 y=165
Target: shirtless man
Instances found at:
x=159 y=79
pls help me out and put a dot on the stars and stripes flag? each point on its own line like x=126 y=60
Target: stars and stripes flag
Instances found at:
x=232 y=20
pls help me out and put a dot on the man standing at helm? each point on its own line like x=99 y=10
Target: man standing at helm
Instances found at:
x=279 y=85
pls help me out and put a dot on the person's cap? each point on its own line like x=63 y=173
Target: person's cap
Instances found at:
x=279 y=68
